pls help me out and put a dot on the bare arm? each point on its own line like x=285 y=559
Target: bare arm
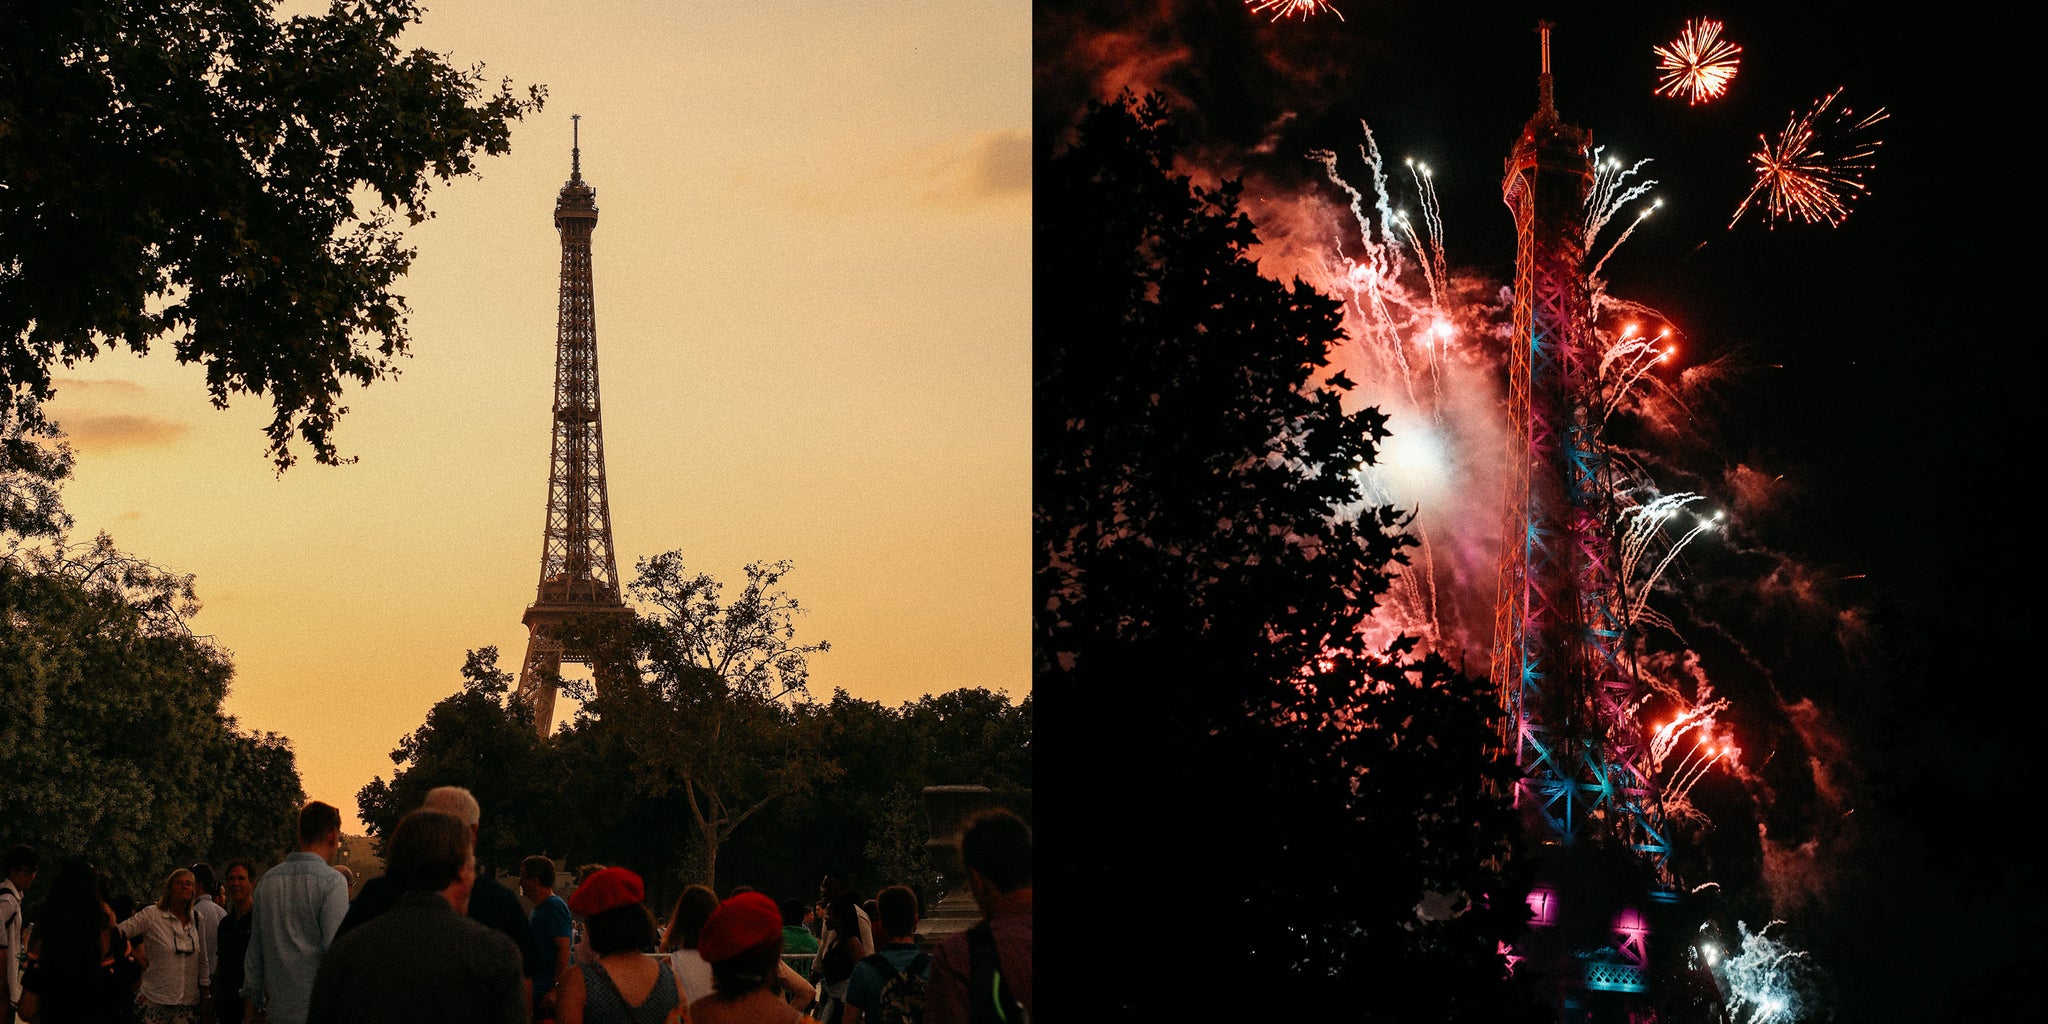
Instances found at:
x=801 y=994
x=568 y=994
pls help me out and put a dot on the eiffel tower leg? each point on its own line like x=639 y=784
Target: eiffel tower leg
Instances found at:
x=537 y=677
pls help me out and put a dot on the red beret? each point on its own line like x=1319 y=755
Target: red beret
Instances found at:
x=738 y=925
x=607 y=890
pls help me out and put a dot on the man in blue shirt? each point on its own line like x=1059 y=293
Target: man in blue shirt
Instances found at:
x=868 y=992
x=298 y=908
x=547 y=952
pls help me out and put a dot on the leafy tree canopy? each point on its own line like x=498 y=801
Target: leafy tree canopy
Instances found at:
x=208 y=175
x=483 y=740
x=704 y=693
x=112 y=741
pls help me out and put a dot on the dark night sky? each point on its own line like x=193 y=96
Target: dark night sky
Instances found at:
x=1889 y=372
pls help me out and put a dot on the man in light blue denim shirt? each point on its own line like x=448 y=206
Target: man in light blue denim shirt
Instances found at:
x=299 y=907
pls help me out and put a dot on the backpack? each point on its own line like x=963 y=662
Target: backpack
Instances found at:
x=989 y=1000
x=902 y=998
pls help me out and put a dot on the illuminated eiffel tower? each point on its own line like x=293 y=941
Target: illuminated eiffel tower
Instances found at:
x=579 y=577
x=1587 y=795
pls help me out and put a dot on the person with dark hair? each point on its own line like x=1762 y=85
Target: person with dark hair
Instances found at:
x=298 y=907
x=846 y=941
x=76 y=973
x=888 y=987
x=238 y=886
x=175 y=981
x=621 y=984
x=423 y=960
x=984 y=973
x=207 y=914
x=797 y=941
x=742 y=941
x=550 y=931
x=693 y=908
x=18 y=866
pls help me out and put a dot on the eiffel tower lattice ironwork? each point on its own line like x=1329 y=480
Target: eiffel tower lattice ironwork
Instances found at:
x=579 y=577
x=1560 y=639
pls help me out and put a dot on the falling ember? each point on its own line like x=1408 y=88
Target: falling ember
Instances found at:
x=1698 y=64
x=1816 y=167
x=1283 y=8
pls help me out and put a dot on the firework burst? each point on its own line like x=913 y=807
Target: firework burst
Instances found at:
x=1699 y=64
x=1815 y=169
x=1302 y=8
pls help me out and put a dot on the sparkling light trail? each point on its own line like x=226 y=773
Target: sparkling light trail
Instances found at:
x=1698 y=64
x=1612 y=191
x=1802 y=176
x=1283 y=8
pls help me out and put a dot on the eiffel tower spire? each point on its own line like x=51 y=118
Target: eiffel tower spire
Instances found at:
x=578 y=574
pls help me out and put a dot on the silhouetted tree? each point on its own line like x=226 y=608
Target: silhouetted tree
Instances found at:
x=700 y=692
x=1271 y=800
x=194 y=171
x=482 y=739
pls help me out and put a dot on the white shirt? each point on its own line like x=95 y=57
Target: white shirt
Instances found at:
x=10 y=933
x=208 y=914
x=299 y=907
x=693 y=975
x=177 y=956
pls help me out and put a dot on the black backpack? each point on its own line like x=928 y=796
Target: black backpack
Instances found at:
x=989 y=999
x=837 y=963
x=902 y=998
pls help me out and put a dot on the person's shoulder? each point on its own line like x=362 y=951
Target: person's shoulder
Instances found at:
x=345 y=945
x=486 y=938
x=491 y=889
x=951 y=951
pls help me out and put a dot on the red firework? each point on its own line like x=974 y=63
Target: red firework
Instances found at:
x=1815 y=169
x=1699 y=63
x=1283 y=8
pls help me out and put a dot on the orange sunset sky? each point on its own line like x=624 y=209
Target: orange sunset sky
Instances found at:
x=812 y=294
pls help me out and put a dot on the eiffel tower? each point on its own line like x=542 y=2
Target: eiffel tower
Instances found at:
x=578 y=575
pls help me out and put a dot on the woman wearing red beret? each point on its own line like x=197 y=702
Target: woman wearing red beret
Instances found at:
x=624 y=985
x=743 y=943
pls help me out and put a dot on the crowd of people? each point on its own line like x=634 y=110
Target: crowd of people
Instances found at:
x=429 y=940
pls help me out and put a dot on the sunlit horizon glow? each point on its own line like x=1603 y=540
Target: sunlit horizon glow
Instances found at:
x=1815 y=169
x=1699 y=64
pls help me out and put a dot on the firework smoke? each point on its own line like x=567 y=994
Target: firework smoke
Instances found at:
x=1766 y=980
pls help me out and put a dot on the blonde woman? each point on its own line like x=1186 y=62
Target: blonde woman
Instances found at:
x=175 y=981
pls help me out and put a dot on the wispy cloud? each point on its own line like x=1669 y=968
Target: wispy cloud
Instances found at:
x=102 y=415
x=988 y=170
x=991 y=167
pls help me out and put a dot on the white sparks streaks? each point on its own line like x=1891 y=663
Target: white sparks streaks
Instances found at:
x=1768 y=982
x=1612 y=191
